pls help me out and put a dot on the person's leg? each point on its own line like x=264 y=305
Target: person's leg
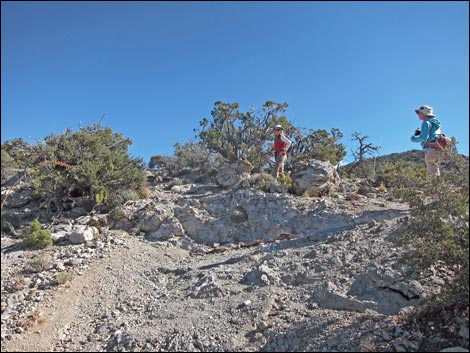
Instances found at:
x=275 y=172
x=431 y=159
x=283 y=158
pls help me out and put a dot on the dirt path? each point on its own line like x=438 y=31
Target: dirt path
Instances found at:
x=79 y=302
x=144 y=291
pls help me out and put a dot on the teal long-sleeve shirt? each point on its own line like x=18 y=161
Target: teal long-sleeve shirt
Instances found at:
x=429 y=129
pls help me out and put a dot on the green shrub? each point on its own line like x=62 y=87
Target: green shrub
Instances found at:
x=101 y=196
x=120 y=197
x=16 y=153
x=37 y=238
x=286 y=180
x=91 y=162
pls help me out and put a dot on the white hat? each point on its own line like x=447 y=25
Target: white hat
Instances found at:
x=278 y=127
x=425 y=109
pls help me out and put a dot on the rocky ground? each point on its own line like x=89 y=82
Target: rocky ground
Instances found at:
x=130 y=288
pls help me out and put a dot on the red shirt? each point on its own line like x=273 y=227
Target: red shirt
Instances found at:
x=281 y=144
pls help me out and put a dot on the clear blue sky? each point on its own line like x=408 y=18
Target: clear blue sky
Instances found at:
x=156 y=68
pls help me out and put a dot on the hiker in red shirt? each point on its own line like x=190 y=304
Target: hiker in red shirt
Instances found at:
x=281 y=146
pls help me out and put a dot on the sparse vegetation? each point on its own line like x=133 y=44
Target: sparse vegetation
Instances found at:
x=368 y=346
x=394 y=170
x=120 y=197
x=191 y=155
x=437 y=234
x=264 y=182
x=41 y=263
x=117 y=213
x=400 y=174
x=19 y=283
x=32 y=320
x=364 y=149
x=93 y=163
x=63 y=277
x=232 y=134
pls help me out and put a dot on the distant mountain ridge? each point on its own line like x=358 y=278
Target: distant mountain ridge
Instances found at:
x=413 y=156
x=416 y=156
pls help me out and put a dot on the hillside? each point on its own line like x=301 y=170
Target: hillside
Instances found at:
x=200 y=267
x=412 y=156
x=373 y=167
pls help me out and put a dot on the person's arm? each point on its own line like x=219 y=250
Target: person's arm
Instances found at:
x=423 y=137
x=287 y=141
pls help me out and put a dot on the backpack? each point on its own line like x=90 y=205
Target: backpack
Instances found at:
x=439 y=143
x=291 y=147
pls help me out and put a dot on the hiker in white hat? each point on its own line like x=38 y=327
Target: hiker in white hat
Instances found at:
x=430 y=127
x=281 y=148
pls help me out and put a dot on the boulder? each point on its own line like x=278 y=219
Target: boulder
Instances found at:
x=329 y=297
x=233 y=173
x=82 y=234
x=168 y=229
x=315 y=178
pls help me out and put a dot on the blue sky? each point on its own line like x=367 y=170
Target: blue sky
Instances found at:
x=155 y=69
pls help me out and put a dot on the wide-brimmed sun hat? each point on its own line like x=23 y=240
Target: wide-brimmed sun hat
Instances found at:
x=278 y=127
x=425 y=109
